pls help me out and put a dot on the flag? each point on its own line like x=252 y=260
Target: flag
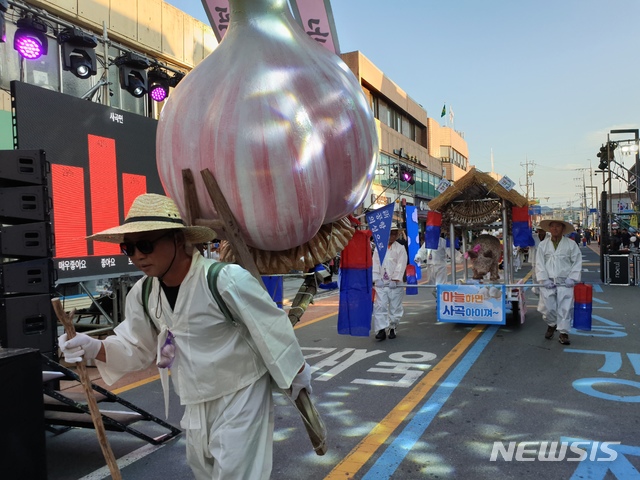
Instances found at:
x=380 y=224
x=432 y=232
x=355 y=308
x=274 y=286
x=521 y=227
x=413 y=236
x=444 y=110
x=451 y=115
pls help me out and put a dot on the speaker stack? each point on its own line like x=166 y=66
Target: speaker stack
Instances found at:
x=27 y=274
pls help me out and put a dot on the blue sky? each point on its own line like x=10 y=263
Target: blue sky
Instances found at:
x=537 y=81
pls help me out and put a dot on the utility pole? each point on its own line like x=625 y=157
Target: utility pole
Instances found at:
x=583 y=195
x=584 y=203
x=527 y=173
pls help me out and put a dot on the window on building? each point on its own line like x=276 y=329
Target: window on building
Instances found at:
x=394 y=118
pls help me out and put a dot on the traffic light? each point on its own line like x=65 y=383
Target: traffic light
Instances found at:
x=606 y=155
x=604 y=158
x=407 y=174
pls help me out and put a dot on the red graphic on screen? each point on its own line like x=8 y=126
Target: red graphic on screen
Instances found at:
x=103 y=181
x=132 y=186
x=69 y=213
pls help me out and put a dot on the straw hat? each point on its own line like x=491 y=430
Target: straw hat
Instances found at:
x=150 y=212
x=568 y=228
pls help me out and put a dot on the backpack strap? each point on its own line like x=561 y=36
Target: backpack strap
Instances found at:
x=147 y=285
x=212 y=279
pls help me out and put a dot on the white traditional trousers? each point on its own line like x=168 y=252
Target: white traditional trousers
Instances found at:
x=387 y=307
x=437 y=274
x=556 y=306
x=231 y=438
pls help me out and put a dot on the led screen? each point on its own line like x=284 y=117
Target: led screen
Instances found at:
x=101 y=159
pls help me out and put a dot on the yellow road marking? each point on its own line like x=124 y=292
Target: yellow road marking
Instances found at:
x=135 y=384
x=316 y=320
x=362 y=452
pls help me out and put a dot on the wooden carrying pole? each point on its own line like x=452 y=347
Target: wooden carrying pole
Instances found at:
x=96 y=416
x=229 y=226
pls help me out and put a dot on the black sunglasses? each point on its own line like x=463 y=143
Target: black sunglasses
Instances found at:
x=145 y=246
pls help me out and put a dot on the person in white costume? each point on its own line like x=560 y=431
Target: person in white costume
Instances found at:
x=559 y=268
x=387 y=279
x=220 y=369
x=539 y=236
x=436 y=262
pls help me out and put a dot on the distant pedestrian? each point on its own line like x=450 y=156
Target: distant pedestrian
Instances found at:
x=387 y=279
x=436 y=262
x=538 y=237
x=625 y=236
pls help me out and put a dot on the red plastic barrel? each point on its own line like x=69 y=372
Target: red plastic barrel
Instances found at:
x=583 y=293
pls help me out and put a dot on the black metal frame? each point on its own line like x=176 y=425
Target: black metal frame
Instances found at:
x=110 y=423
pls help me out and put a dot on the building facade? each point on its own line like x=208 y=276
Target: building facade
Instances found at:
x=409 y=140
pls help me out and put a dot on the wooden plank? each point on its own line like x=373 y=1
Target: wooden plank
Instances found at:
x=190 y=196
x=312 y=420
x=230 y=226
x=67 y=321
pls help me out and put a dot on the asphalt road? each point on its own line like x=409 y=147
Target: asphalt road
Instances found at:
x=435 y=402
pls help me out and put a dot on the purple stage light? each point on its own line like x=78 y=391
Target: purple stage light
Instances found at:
x=30 y=39
x=158 y=93
x=158 y=84
x=28 y=47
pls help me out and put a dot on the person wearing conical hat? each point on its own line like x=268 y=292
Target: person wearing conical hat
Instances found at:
x=558 y=268
x=220 y=369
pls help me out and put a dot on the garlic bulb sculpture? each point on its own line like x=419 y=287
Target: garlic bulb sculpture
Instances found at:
x=282 y=124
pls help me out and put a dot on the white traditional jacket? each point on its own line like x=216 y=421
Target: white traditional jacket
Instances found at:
x=430 y=256
x=213 y=356
x=395 y=263
x=562 y=262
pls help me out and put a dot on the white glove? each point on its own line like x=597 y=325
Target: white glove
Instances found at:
x=80 y=346
x=379 y=283
x=300 y=381
x=549 y=284
x=569 y=282
x=393 y=284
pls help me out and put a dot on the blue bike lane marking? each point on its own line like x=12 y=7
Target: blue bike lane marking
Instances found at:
x=393 y=456
x=621 y=468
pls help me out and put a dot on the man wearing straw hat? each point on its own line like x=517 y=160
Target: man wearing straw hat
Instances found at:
x=558 y=267
x=221 y=370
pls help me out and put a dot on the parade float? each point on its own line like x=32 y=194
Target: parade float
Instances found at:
x=478 y=203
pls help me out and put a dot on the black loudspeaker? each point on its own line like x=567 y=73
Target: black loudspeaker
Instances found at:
x=28 y=322
x=23 y=167
x=33 y=276
x=22 y=443
x=20 y=204
x=26 y=240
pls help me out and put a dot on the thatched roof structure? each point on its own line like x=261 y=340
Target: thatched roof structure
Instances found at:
x=475 y=201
